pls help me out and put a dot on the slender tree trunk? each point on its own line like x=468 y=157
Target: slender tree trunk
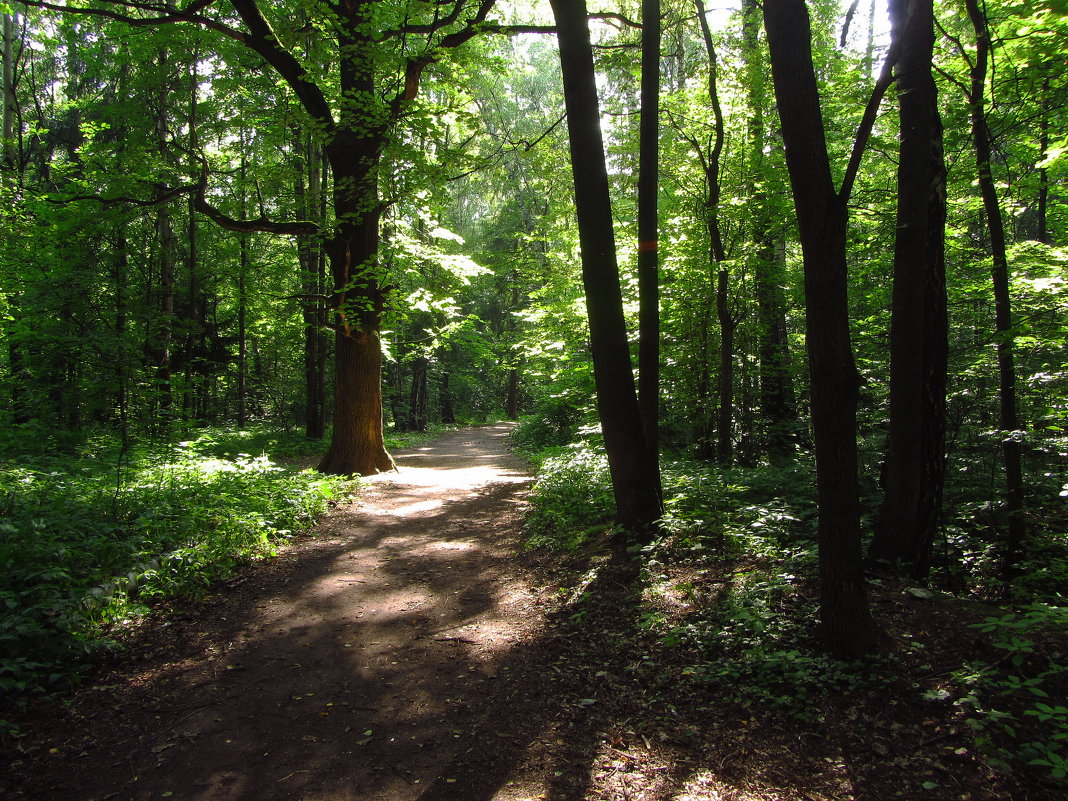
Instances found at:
x=648 y=233
x=242 y=335
x=634 y=474
x=242 y=299
x=308 y=199
x=418 y=398
x=8 y=87
x=777 y=411
x=165 y=234
x=848 y=628
x=1009 y=422
x=904 y=533
x=122 y=368
x=1043 y=233
x=724 y=435
x=717 y=255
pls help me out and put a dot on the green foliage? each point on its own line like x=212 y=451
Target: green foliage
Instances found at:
x=553 y=424
x=1014 y=706
x=571 y=501
x=88 y=543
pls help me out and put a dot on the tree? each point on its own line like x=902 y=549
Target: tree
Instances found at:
x=776 y=386
x=822 y=215
x=1009 y=421
x=379 y=53
x=648 y=231
x=915 y=455
x=634 y=476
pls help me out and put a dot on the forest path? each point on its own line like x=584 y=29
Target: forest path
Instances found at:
x=397 y=654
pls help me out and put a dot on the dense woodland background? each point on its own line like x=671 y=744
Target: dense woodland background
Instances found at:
x=209 y=213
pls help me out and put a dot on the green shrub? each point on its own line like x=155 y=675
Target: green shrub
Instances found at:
x=554 y=423
x=571 y=499
x=1028 y=677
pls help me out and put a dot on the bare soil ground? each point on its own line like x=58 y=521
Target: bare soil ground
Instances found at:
x=410 y=649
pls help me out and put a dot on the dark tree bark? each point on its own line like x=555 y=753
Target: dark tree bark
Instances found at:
x=1009 y=421
x=648 y=233
x=848 y=628
x=935 y=366
x=910 y=509
x=448 y=413
x=634 y=476
x=512 y=401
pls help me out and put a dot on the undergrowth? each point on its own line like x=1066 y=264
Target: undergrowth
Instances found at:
x=729 y=593
x=92 y=539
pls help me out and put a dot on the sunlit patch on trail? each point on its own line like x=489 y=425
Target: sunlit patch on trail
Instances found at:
x=450 y=546
x=416 y=508
x=459 y=478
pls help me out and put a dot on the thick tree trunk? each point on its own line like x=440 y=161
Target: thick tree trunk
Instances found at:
x=512 y=402
x=634 y=475
x=848 y=628
x=357 y=445
x=935 y=366
x=914 y=383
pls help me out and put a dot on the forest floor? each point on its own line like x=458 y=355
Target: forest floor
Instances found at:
x=410 y=648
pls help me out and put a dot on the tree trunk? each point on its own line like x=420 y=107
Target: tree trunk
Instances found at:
x=448 y=414
x=1043 y=233
x=512 y=402
x=308 y=199
x=935 y=365
x=777 y=411
x=634 y=474
x=357 y=445
x=848 y=628
x=648 y=232
x=418 y=398
x=716 y=257
x=1008 y=416
x=7 y=131
x=724 y=436
x=910 y=461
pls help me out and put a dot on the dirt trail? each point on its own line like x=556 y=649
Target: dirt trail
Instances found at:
x=391 y=656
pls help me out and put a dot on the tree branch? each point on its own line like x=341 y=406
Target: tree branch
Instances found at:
x=867 y=122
